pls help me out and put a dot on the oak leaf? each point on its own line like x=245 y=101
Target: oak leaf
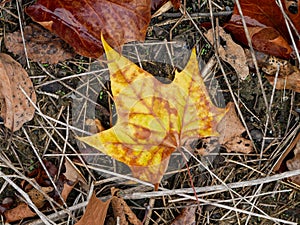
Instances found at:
x=80 y=23
x=154 y=119
x=266 y=26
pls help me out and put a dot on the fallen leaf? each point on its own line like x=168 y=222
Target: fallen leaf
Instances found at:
x=20 y=212
x=280 y=164
x=64 y=184
x=41 y=45
x=266 y=26
x=239 y=144
x=123 y=212
x=186 y=217
x=154 y=119
x=283 y=163
x=73 y=176
x=294 y=164
x=230 y=52
x=159 y=7
x=6 y=204
x=95 y=212
x=291 y=82
x=80 y=23
x=16 y=109
x=37 y=197
x=230 y=126
x=273 y=65
x=205 y=146
x=157 y=4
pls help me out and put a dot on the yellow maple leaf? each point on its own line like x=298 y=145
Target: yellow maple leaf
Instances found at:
x=154 y=119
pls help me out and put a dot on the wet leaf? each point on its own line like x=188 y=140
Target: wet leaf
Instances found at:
x=266 y=26
x=41 y=45
x=154 y=119
x=16 y=109
x=80 y=23
x=95 y=212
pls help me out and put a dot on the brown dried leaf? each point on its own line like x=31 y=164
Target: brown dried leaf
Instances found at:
x=230 y=126
x=73 y=175
x=20 y=212
x=41 y=45
x=207 y=146
x=231 y=52
x=186 y=217
x=123 y=212
x=95 y=212
x=239 y=144
x=80 y=23
x=279 y=165
x=16 y=108
x=291 y=81
x=37 y=197
x=294 y=163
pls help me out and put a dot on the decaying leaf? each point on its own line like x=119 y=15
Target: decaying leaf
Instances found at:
x=205 y=146
x=266 y=26
x=239 y=144
x=230 y=52
x=37 y=197
x=41 y=45
x=186 y=217
x=230 y=126
x=280 y=164
x=123 y=212
x=95 y=212
x=288 y=75
x=294 y=164
x=80 y=23
x=159 y=7
x=73 y=176
x=156 y=4
x=22 y=211
x=291 y=82
x=154 y=119
x=16 y=109
x=64 y=184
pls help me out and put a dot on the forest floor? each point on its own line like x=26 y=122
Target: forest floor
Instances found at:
x=50 y=136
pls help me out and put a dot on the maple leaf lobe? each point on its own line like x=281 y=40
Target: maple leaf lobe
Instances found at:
x=154 y=119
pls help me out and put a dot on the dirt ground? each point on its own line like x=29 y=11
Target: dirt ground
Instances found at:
x=62 y=113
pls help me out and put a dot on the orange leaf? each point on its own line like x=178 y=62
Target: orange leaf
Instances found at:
x=16 y=109
x=80 y=23
x=154 y=119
